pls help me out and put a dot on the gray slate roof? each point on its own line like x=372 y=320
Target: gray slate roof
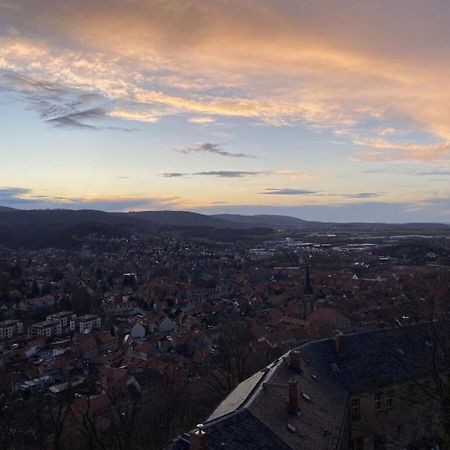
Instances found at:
x=379 y=357
x=240 y=430
x=371 y=359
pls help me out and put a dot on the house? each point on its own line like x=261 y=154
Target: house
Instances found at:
x=138 y=331
x=143 y=350
x=159 y=324
x=105 y=341
x=148 y=381
x=112 y=378
x=87 y=345
x=165 y=325
x=10 y=328
x=324 y=320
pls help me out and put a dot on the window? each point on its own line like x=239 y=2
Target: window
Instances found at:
x=355 y=409
x=378 y=402
x=357 y=444
x=390 y=400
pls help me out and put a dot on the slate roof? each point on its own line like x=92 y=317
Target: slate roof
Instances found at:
x=376 y=358
x=239 y=430
x=255 y=414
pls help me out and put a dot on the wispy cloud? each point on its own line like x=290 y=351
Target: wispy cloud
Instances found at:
x=154 y=59
x=310 y=192
x=216 y=149
x=10 y=194
x=57 y=104
x=141 y=53
x=76 y=119
x=382 y=150
x=364 y=195
x=202 y=120
x=241 y=173
x=25 y=198
x=214 y=173
x=289 y=191
x=434 y=172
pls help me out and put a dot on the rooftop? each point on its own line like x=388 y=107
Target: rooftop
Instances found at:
x=256 y=413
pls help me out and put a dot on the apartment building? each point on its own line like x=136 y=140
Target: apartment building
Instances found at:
x=10 y=328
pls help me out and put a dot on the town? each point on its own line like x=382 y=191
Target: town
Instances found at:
x=116 y=338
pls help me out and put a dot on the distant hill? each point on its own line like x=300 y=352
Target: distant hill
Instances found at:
x=185 y=219
x=266 y=220
x=7 y=209
x=63 y=227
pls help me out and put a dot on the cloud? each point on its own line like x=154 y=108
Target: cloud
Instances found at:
x=59 y=105
x=382 y=150
x=175 y=174
x=365 y=195
x=202 y=120
x=207 y=147
x=25 y=198
x=241 y=173
x=76 y=119
x=288 y=191
x=9 y=195
x=434 y=172
x=301 y=192
x=324 y=64
x=214 y=173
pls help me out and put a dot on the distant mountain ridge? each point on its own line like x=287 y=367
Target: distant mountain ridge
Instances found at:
x=267 y=220
x=7 y=209
x=59 y=226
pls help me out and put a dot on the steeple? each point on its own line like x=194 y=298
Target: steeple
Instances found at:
x=307 y=287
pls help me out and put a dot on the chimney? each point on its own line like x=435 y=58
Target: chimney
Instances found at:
x=293 y=405
x=295 y=360
x=340 y=343
x=198 y=438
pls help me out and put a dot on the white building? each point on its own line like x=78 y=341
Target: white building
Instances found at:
x=63 y=317
x=46 y=329
x=84 y=324
x=10 y=328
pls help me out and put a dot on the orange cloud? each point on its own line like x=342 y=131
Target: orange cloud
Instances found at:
x=327 y=64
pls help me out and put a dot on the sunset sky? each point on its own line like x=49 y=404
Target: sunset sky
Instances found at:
x=321 y=109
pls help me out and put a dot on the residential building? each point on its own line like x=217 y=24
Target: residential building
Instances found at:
x=46 y=329
x=63 y=317
x=84 y=324
x=10 y=328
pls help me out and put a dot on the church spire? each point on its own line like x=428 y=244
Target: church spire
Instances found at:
x=307 y=287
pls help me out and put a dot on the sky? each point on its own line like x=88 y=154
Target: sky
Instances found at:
x=320 y=109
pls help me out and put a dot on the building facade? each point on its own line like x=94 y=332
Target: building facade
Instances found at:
x=376 y=390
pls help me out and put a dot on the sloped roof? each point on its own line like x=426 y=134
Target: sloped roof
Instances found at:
x=255 y=415
x=376 y=357
x=240 y=430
